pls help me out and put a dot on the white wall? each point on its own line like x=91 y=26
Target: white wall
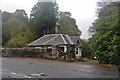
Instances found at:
x=79 y=52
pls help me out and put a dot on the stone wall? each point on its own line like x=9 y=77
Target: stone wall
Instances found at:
x=21 y=52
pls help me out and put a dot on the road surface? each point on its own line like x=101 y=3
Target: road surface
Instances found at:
x=40 y=68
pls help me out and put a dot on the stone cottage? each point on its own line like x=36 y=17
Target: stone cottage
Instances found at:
x=59 y=46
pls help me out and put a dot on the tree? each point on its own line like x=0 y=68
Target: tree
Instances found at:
x=5 y=28
x=21 y=15
x=17 y=41
x=105 y=41
x=20 y=34
x=15 y=31
x=43 y=18
x=85 y=48
x=68 y=24
x=6 y=16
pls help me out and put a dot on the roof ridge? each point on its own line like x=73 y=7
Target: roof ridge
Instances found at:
x=63 y=39
x=51 y=39
x=69 y=39
x=52 y=34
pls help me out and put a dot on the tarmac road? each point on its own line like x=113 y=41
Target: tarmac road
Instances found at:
x=40 y=68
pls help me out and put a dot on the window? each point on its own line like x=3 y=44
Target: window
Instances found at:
x=76 y=50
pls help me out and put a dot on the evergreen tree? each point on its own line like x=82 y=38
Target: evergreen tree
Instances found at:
x=43 y=18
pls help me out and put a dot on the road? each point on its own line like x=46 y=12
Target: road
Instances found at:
x=42 y=68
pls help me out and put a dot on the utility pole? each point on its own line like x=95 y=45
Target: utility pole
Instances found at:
x=0 y=43
x=0 y=28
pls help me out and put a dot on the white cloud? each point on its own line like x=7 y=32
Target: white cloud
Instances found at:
x=46 y=0
x=12 y=5
x=84 y=11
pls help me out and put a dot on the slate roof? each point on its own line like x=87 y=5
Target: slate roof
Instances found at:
x=76 y=40
x=52 y=39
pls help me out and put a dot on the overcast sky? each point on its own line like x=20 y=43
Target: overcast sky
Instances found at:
x=84 y=11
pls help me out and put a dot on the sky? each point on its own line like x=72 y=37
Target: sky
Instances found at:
x=84 y=11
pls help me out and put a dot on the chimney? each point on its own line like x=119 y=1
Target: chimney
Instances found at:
x=57 y=28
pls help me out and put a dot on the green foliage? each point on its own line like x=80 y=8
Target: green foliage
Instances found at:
x=6 y=16
x=43 y=18
x=16 y=32
x=105 y=41
x=85 y=48
x=68 y=24
x=18 y=41
x=21 y=15
x=5 y=26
